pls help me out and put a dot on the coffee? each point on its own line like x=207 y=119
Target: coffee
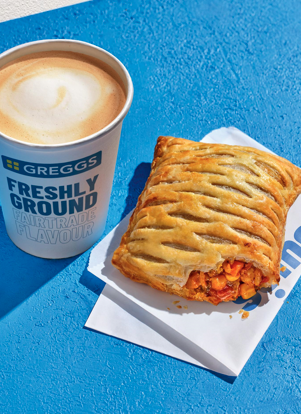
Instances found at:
x=58 y=97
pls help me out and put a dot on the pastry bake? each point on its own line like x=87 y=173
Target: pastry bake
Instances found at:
x=210 y=222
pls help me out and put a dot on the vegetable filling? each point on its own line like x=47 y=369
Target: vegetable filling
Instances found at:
x=230 y=280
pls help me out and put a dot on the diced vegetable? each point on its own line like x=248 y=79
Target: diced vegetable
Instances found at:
x=227 y=267
x=236 y=267
x=194 y=280
x=218 y=282
x=247 y=291
x=258 y=277
x=247 y=276
x=232 y=278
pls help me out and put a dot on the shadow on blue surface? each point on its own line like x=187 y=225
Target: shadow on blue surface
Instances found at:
x=92 y=282
x=22 y=274
x=136 y=186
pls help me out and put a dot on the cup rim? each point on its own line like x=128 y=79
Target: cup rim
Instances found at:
x=97 y=134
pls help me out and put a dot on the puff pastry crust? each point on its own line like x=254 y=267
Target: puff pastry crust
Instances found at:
x=206 y=208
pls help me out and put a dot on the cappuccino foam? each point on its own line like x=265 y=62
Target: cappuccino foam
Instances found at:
x=57 y=97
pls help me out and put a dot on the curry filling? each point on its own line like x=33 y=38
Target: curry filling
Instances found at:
x=231 y=280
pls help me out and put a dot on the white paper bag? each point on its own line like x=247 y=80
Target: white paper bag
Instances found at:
x=198 y=332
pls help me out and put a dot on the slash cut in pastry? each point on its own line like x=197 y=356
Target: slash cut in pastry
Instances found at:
x=210 y=222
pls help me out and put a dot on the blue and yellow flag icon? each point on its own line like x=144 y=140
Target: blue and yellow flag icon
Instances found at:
x=12 y=164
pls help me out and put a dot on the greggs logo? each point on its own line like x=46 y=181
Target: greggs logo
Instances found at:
x=65 y=169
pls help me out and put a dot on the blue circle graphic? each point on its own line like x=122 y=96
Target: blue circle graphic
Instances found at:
x=280 y=293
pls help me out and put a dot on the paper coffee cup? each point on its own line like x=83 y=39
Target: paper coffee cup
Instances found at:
x=55 y=198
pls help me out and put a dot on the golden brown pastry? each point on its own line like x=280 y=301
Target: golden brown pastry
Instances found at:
x=210 y=222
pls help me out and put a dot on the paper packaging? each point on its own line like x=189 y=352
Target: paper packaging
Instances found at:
x=71 y=216
x=202 y=334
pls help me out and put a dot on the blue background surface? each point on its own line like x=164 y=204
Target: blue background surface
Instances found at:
x=196 y=66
